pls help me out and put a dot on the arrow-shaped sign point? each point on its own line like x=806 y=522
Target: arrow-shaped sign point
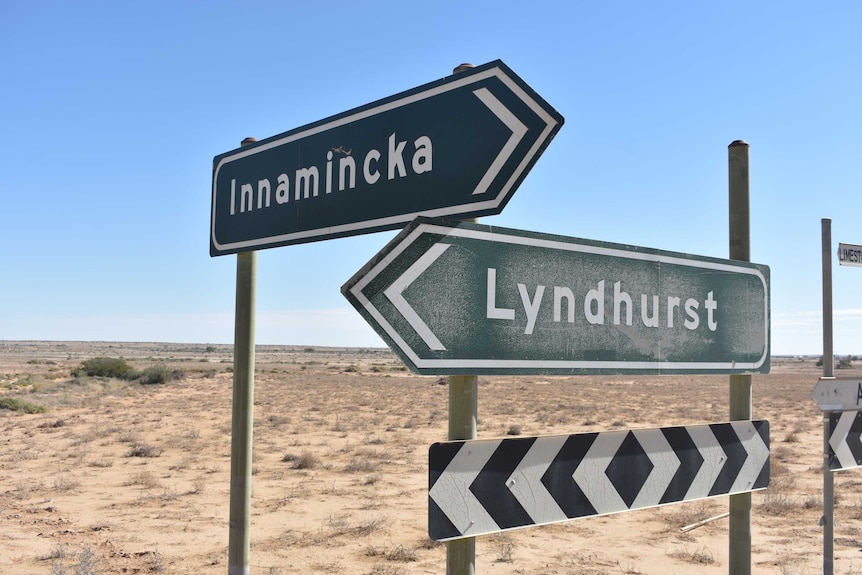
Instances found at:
x=395 y=291
x=513 y=123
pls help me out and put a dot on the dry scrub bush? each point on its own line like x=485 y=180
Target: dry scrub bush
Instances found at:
x=144 y=450
x=339 y=525
x=687 y=513
x=87 y=562
x=105 y=367
x=702 y=556
x=64 y=483
x=14 y=404
x=777 y=504
x=398 y=553
x=358 y=465
x=145 y=479
x=160 y=374
x=504 y=545
x=306 y=460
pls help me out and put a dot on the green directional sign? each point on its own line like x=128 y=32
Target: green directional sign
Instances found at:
x=462 y=298
x=456 y=147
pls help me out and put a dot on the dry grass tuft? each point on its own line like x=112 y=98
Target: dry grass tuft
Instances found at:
x=145 y=479
x=305 y=460
x=341 y=526
x=702 y=556
x=143 y=450
x=64 y=483
x=504 y=546
x=778 y=504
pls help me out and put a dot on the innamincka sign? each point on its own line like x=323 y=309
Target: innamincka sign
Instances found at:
x=461 y=298
x=456 y=147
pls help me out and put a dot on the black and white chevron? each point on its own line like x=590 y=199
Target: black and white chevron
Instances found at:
x=845 y=443
x=488 y=486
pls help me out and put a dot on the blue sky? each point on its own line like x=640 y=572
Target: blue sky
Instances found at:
x=111 y=113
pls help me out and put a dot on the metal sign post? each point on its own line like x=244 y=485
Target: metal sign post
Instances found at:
x=740 y=385
x=828 y=480
x=242 y=419
x=463 y=419
x=840 y=399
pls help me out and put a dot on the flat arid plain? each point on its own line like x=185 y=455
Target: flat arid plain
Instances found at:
x=111 y=476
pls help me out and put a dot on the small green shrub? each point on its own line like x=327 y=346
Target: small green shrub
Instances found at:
x=160 y=374
x=106 y=367
x=13 y=404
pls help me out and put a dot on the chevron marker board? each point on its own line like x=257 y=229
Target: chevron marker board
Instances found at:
x=845 y=440
x=489 y=486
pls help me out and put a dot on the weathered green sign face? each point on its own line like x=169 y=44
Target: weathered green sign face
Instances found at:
x=456 y=147
x=460 y=298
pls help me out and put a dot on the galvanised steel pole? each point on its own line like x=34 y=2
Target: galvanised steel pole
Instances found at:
x=463 y=409
x=740 y=385
x=463 y=414
x=828 y=479
x=243 y=404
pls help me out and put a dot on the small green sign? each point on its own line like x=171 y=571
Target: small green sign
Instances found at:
x=462 y=298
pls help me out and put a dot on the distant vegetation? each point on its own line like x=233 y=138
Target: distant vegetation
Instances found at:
x=106 y=367
x=13 y=404
x=118 y=368
x=160 y=374
x=843 y=362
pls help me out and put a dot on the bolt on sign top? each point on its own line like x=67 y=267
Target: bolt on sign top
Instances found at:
x=457 y=147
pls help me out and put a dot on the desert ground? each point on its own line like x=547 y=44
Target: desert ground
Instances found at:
x=110 y=476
